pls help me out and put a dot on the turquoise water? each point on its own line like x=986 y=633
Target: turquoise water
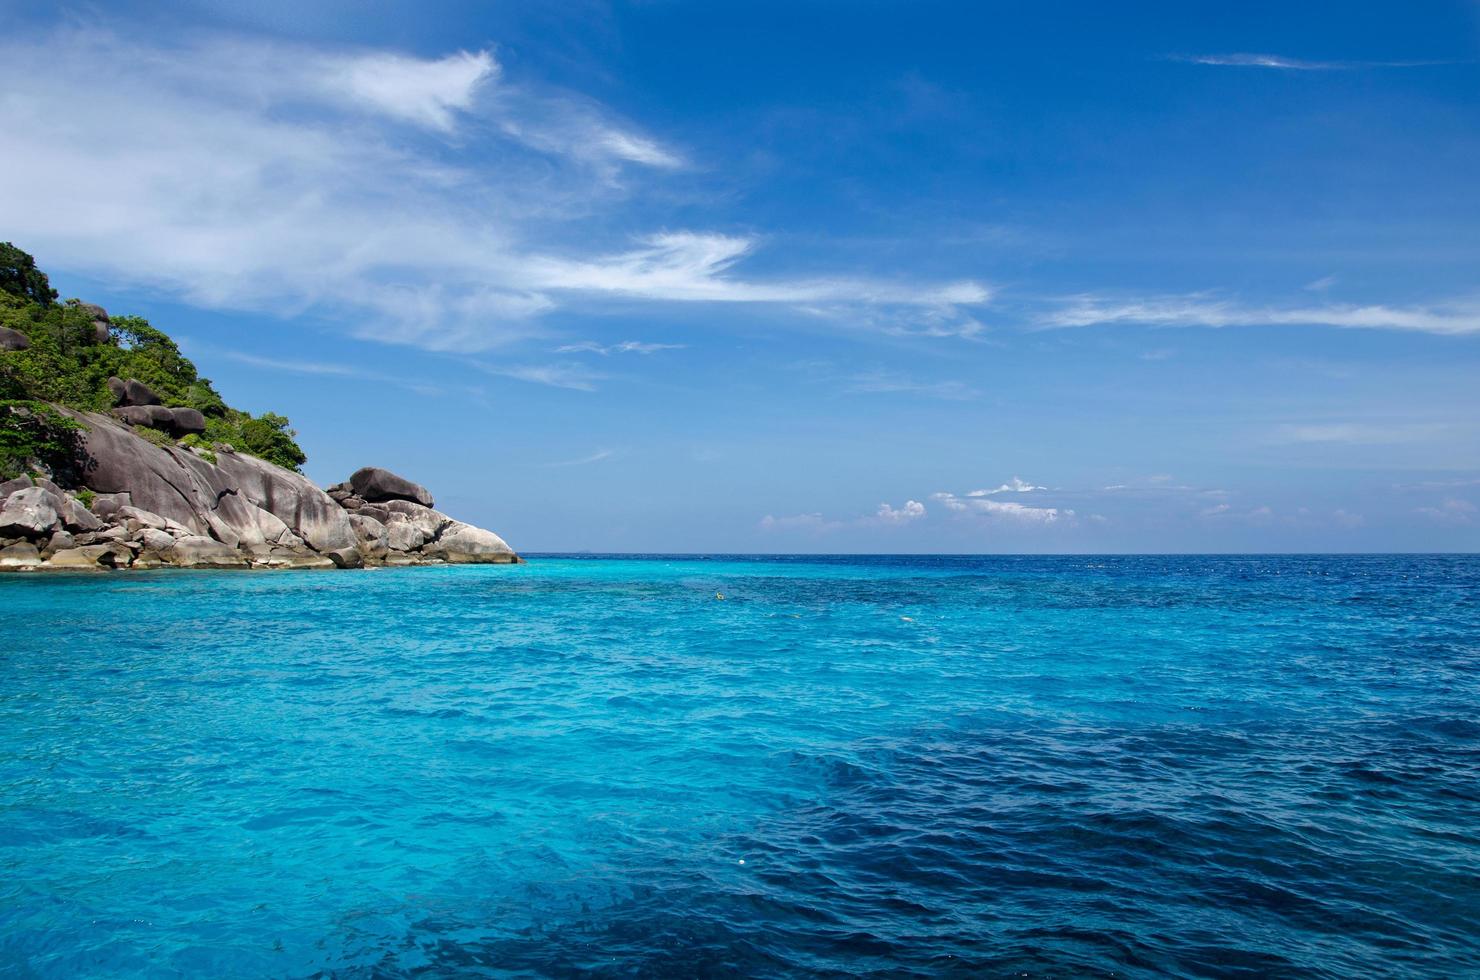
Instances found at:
x=1048 y=766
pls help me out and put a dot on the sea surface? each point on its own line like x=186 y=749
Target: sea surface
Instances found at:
x=1041 y=767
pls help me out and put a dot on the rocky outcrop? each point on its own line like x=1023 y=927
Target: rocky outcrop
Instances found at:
x=155 y=506
x=13 y=339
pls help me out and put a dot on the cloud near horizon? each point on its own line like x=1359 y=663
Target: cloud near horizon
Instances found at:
x=1203 y=310
x=430 y=202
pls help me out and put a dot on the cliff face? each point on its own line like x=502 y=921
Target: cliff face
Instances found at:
x=158 y=505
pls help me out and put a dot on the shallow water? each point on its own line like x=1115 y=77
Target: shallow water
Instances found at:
x=1047 y=766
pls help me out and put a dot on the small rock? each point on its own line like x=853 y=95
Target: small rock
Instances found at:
x=346 y=558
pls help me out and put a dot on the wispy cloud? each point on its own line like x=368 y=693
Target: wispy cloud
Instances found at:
x=625 y=347
x=1454 y=510
x=552 y=375
x=595 y=457
x=1357 y=433
x=425 y=201
x=1204 y=310
x=888 y=382
x=1283 y=63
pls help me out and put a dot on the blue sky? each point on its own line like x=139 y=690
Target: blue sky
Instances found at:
x=825 y=277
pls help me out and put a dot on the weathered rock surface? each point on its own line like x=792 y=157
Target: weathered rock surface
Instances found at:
x=163 y=506
x=13 y=339
x=376 y=485
x=31 y=512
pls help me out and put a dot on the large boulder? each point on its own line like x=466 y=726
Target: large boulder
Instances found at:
x=465 y=544
x=240 y=500
x=377 y=485
x=186 y=421
x=291 y=497
x=131 y=392
x=402 y=535
x=149 y=416
x=374 y=540
x=31 y=513
x=197 y=551
x=13 y=339
x=22 y=555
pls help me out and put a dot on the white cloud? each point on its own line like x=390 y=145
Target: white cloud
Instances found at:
x=625 y=347
x=1451 y=511
x=409 y=200
x=413 y=89
x=1321 y=285
x=1016 y=485
x=1247 y=60
x=1202 y=310
x=1005 y=510
x=912 y=510
x=552 y=375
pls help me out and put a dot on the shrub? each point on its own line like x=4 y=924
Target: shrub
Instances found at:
x=35 y=437
x=19 y=276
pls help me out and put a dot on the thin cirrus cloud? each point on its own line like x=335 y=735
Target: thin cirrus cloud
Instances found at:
x=1282 y=63
x=625 y=347
x=424 y=201
x=1203 y=310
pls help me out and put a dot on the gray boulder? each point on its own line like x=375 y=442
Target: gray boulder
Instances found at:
x=374 y=539
x=94 y=311
x=240 y=501
x=402 y=535
x=465 y=544
x=376 y=485
x=13 y=339
x=159 y=542
x=198 y=551
x=346 y=558
x=19 y=556
x=131 y=392
x=30 y=513
x=150 y=416
x=186 y=421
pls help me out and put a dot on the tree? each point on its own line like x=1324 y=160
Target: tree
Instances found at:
x=19 y=275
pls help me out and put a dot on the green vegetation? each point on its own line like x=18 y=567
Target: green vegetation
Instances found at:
x=66 y=365
x=31 y=432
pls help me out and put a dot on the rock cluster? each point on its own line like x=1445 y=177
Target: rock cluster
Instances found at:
x=154 y=506
x=137 y=404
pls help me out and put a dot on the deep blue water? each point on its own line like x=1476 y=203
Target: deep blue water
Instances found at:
x=1037 y=766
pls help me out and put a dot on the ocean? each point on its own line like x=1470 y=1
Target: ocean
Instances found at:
x=597 y=766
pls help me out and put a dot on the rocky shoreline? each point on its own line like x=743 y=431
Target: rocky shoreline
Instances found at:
x=139 y=505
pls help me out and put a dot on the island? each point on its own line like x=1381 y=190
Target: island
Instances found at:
x=116 y=454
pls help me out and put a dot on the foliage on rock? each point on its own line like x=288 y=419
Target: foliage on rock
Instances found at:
x=33 y=435
x=68 y=364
